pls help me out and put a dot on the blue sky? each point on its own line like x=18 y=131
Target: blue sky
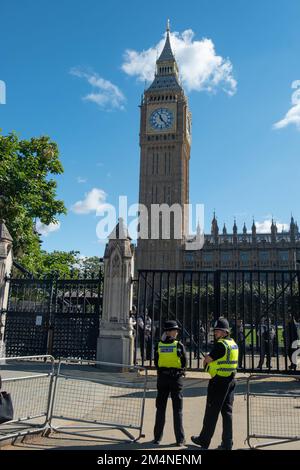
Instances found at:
x=241 y=165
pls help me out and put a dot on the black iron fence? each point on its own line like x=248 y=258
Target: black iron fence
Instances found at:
x=262 y=308
x=53 y=316
x=61 y=316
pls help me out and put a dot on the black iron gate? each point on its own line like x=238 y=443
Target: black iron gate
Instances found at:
x=262 y=307
x=53 y=316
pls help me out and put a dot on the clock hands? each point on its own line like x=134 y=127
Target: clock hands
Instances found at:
x=162 y=120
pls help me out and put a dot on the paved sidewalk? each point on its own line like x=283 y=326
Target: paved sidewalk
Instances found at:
x=194 y=406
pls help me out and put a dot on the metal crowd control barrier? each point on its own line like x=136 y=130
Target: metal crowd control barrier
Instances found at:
x=29 y=381
x=273 y=409
x=98 y=395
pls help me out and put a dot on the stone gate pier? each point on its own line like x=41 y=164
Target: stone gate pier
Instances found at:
x=116 y=340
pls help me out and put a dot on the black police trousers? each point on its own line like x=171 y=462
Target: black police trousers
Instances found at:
x=166 y=385
x=220 y=396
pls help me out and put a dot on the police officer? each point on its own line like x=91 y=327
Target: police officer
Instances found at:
x=170 y=361
x=221 y=364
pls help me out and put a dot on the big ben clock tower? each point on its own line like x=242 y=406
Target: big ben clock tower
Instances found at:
x=165 y=129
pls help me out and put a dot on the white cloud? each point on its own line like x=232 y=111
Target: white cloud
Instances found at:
x=265 y=226
x=293 y=114
x=199 y=65
x=94 y=201
x=44 y=229
x=104 y=93
x=81 y=180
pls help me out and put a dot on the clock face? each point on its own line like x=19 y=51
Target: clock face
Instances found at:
x=161 y=118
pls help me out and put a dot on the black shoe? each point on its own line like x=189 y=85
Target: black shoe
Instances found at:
x=222 y=447
x=156 y=442
x=196 y=440
x=180 y=443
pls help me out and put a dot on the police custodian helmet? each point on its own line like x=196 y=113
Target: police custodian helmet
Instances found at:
x=222 y=324
x=171 y=325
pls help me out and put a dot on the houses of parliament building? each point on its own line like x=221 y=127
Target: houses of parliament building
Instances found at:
x=165 y=144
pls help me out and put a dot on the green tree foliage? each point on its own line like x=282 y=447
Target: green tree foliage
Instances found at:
x=90 y=266
x=27 y=189
x=58 y=263
x=28 y=193
x=250 y=302
x=63 y=264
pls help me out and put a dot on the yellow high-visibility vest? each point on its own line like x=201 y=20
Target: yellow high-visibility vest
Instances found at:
x=167 y=355
x=227 y=364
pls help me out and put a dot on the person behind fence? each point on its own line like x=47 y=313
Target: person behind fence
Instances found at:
x=239 y=337
x=132 y=318
x=221 y=363
x=198 y=340
x=144 y=334
x=266 y=338
x=170 y=361
x=290 y=335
